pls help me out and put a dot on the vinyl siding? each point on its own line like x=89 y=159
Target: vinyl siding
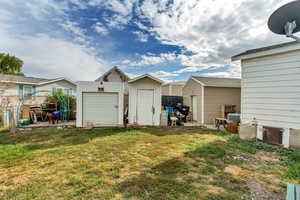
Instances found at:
x=172 y=90
x=176 y=90
x=115 y=77
x=165 y=90
x=271 y=90
x=11 y=92
x=193 y=88
x=215 y=97
x=59 y=84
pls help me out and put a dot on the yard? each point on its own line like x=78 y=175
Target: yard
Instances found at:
x=144 y=163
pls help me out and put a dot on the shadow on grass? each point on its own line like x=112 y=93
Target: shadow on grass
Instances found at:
x=197 y=175
x=180 y=130
x=53 y=137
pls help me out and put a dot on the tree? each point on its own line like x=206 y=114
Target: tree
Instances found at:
x=10 y=65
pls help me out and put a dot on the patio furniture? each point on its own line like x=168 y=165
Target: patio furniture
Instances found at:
x=220 y=122
x=173 y=121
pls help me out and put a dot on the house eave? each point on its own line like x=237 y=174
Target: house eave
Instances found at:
x=267 y=51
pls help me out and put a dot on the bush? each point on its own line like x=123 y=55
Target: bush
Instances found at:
x=58 y=97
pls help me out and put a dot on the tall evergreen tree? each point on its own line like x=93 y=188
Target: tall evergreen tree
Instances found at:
x=10 y=65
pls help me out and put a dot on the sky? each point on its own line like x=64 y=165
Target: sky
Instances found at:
x=170 y=39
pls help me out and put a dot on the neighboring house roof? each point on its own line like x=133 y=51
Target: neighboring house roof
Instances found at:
x=146 y=76
x=264 y=51
x=218 y=82
x=116 y=69
x=4 y=78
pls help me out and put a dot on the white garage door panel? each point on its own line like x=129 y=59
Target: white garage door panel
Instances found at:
x=145 y=107
x=100 y=108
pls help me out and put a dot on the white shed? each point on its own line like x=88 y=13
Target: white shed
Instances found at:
x=145 y=100
x=99 y=104
x=270 y=91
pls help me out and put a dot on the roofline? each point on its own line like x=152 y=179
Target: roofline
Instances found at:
x=202 y=84
x=23 y=83
x=144 y=76
x=216 y=77
x=41 y=83
x=58 y=79
x=115 y=67
x=269 y=50
x=192 y=78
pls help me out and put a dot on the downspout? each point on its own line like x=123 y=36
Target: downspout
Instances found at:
x=202 y=106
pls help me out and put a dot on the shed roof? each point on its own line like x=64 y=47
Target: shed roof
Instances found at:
x=268 y=50
x=218 y=82
x=146 y=76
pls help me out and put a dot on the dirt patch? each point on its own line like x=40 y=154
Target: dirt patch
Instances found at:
x=232 y=169
x=259 y=192
x=268 y=156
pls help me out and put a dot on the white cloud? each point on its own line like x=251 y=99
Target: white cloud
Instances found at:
x=99 y=28
x=212 y=30
x=142 y=37
x=149 y=59
x=74 y=28
x=163 y=74
x=43 y=9
x=53 y=57
x=46 y=55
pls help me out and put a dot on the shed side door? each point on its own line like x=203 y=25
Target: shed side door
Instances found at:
x=145 y=107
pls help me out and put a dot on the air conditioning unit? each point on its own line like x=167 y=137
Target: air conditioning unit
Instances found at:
x=234 y=117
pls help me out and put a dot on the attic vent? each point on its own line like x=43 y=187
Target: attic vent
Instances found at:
x=272 y=135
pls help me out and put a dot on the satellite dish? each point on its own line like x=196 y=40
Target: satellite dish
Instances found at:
x=286 y=20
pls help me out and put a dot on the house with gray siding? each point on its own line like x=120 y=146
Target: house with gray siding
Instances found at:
x=36 y=90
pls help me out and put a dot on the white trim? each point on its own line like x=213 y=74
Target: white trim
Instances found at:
x=20 y=83
x=41 y=83
x=146 y=76
x=55 y=80
x=192 y=78
x=198 y=81
x=286 y=138
x=202 y=105
x=262 y=53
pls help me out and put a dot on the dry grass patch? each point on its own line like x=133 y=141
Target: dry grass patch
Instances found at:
x=183 y=163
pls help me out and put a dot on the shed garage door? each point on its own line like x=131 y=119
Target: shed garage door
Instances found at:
x=100 y=108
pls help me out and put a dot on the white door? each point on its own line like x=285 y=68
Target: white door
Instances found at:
x=145 y=107
x=100 y=108
x=194 y=108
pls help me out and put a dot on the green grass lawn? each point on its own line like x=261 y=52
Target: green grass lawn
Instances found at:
x=145 y=163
